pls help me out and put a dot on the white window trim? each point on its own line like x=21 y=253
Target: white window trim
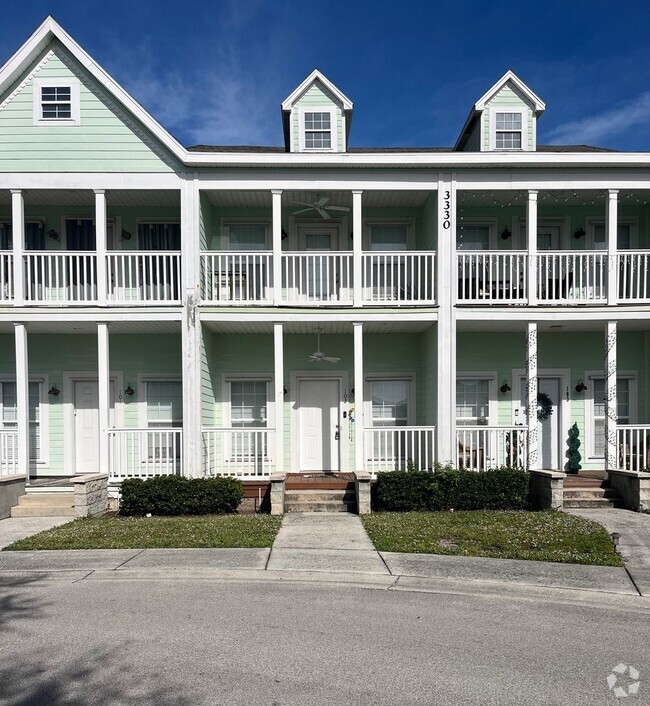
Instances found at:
x=491 y=377
x=75 y=111
x=589 y=375
x=380 y=377
x=157 y=220
x=143 y=379
x=408 y=222
x=62 y=242
x=44 y=417
x=592 y=221
x=490 y=222
x=225 y=223
x=334 y=128
x=524 y=128
x=248 y=377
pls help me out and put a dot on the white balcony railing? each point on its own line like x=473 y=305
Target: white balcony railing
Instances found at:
x=144 y=277
x=481 y=447
x=8 y=452
x=634 y=276
x=6 y=276
x=60 y=277
x=144 y=453
x=398 y=278
x=398 y=448
x=486 y=277
x=317 y=278
x=633 y=442
x=572 y=277
x=243 y=453
x=237 y=278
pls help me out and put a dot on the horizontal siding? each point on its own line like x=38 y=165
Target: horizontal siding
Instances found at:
x=316 y=95
x=508 y=97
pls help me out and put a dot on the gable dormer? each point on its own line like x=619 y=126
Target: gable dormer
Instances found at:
x=316 y=116
x=503 y=120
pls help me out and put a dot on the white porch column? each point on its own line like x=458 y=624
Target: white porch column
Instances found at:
x=359 y=422
x=104 y=397
x=531 y=231
x=612 y=247
x=357 y=248
x=100 y=246
x=276 y=196
x=446 y=326
x=531 y=394
x=278 y=386
x=18 y=240
x=611 y=413
x=22 y=398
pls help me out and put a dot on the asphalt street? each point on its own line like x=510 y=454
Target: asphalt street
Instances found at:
x=186 y=641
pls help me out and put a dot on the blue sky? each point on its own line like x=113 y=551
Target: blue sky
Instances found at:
x=216 y=72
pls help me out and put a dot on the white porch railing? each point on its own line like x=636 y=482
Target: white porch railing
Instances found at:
x=317 y=278
x=486 y=277
x=6 y=276
x=60 y=277
x=144 y=453
x=572 y=277
x=243 y=453
x=398 y=278
x=237 y=277
x=634 y=276
x=8 y=452
x=482 y=447
x=633 y=441
x=398 y=448
x=144 y=277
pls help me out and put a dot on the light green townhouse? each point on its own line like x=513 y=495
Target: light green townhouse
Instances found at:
x=250 y=311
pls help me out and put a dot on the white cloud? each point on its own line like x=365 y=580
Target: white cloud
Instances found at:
x=608 y=123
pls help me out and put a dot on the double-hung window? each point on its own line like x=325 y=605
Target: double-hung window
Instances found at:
x=9 y=416
x=56 y=102
x=318 y=130
x=472 y=402
x=389 y=408
x=164 y=414
x=248 y=415
x=508 y=131
x=623 y=410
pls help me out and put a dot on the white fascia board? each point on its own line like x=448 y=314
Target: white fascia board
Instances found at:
x=50 y=29
x=539 y=104
x=316 y=75
x=539 y=314
x=348 y=316
x=91 y=315
x=91 y=180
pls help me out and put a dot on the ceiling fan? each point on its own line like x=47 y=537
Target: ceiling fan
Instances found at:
x=320 y=206
x=320 y=357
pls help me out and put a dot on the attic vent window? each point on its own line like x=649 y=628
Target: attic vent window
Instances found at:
x=318 y=131
x=56 y=102
x=508 y=131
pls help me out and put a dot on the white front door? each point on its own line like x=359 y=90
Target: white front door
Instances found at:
x=318 y=420
x=86 y=424
x=548 y=430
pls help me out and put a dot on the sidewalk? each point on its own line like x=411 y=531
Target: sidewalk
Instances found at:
x=328 y=548
x=14 y=528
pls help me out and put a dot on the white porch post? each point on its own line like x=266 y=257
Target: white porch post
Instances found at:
x=191 y=328
x=104 y=397
x=22 y=398
x=531 y=394
x=611 y=413
x=276 y=196
x=359 y=422
x=100 y=246
x=18 y=240
x=531 y=230
x=612 y=247
x=278 y=386
x=446 y=325
x=357 y=248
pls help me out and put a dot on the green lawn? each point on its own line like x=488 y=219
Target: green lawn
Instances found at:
x=542 y=536
x=114 y=532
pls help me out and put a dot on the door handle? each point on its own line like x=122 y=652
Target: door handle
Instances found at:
x=337 y=433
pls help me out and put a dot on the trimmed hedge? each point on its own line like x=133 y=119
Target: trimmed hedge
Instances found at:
x=451 y=489
x=176 y=495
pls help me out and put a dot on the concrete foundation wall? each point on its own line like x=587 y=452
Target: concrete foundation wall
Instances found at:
x=11 y=488
x=633 y=488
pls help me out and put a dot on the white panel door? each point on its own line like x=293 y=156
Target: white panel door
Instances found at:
x=318 y=419
x=548 y=431
x=86 y=426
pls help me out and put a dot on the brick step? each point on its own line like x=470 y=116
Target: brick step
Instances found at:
x=45 y=505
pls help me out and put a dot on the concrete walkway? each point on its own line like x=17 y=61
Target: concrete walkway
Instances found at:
x=14 y=528
x=634 y=542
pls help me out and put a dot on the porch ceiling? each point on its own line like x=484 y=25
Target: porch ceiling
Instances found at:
x=85 y=197
x=90 y=327
x=549 y=197
x=371 y=199
x=326 y=327
x=508 y=325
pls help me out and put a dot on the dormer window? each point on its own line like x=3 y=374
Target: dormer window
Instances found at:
x=509 y=128
x=318 y=129
x=56 y=102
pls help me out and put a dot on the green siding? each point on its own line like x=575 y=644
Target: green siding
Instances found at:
x=316 y=96
x=107 y=138
x=509 y=97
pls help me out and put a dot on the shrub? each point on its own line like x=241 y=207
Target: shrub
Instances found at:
x=448 y=488
x=176 y=495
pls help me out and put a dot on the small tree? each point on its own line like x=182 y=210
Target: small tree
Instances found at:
x=573 y=464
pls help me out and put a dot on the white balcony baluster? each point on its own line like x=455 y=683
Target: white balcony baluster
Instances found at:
x=482 y=447
x=398 y=448
x=237 y=278
x=242 y=453
x=572 y=277
x=8 y=452
x=633 y=442
x=144 y=453
x=317 y=278
x=144 y=277
x=398 y=278
x=486 y=277
x=60 y=277
x=634 y=276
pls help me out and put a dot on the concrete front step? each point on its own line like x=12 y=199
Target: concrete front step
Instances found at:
x=588 y=493
x=320 y=501
x=597 y=503
x=45 y=505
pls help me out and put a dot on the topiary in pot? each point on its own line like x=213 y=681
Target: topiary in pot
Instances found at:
x=573 y=464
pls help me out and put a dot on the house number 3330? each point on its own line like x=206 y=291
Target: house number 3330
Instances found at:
x=446 y=210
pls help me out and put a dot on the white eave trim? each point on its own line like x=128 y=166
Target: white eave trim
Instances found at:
x=510 y=76
x=316 y=75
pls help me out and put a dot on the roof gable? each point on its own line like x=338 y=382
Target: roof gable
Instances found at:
x=314 y=76
x=509 y=77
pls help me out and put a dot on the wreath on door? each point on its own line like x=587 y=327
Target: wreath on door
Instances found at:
x=544 y=407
